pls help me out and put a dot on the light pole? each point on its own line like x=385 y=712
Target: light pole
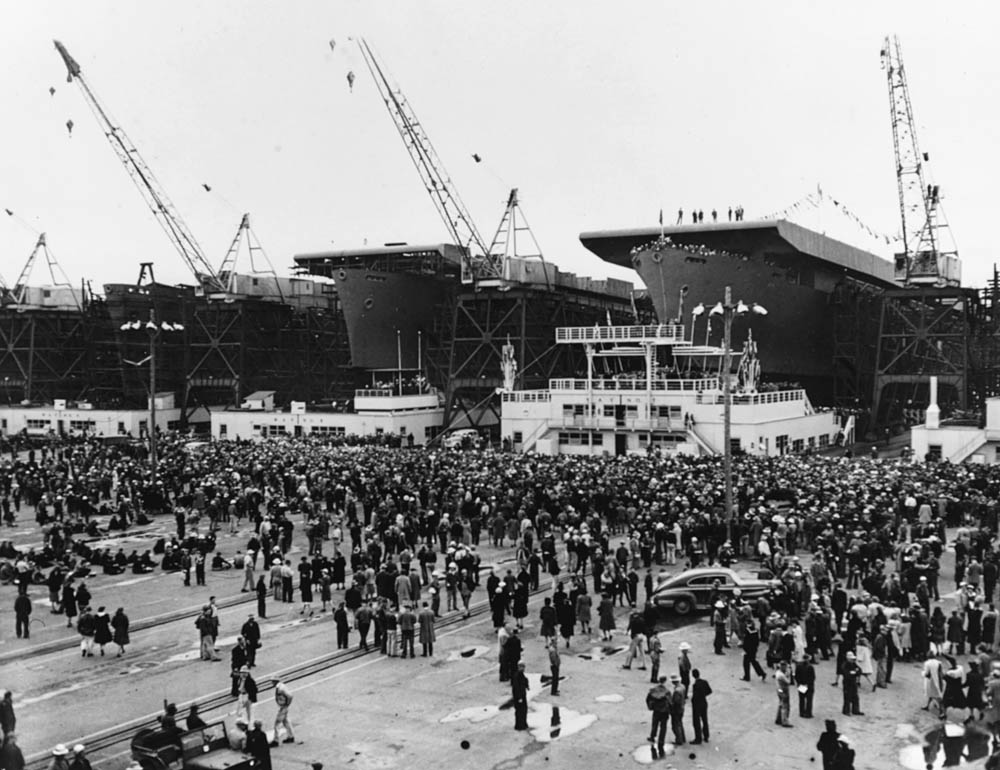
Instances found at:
x=728 y=311
x=154 y=328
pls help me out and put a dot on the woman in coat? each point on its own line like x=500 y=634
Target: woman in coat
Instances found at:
x=520 y=604
x=120 y=624
x=261 y=597
x=69 y=602
x=938 y=632
x=102 y=628
x=339 y=570
x=583 y=605
x=567 y=619
x=606 y=611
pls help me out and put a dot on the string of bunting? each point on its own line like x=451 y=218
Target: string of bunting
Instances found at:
x=816 y=199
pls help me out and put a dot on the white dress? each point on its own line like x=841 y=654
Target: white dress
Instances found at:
x=933 y=683
x=864 y=659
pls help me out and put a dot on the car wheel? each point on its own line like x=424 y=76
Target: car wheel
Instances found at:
x=683 y=606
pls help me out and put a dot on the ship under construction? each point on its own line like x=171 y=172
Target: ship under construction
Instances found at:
x=447 y=314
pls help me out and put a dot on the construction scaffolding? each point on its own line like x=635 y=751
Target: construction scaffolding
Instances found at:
x=465 y=352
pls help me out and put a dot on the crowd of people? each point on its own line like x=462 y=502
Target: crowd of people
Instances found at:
x=855 y=545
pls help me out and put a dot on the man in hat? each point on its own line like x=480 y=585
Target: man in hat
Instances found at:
x=238 y=735
x=805 y=678
x=258 y=747
x=827 y=744
x=684 y=665
x=719 y=623
x=247 y=689
x=251 y=633
x=11 y=757
x=519 y=690
x=852 y=673
x=783 y=683
x=677 y=698
x=658 y=703
x=79 y=760
x=751 y=642
x=60 y=760
x=206 y=629
x=283 y=700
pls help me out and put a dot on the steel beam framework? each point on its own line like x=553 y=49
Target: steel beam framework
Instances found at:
x=925 y=332
x=465 y=348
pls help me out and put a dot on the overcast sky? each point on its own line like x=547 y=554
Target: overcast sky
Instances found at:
x=601 y=113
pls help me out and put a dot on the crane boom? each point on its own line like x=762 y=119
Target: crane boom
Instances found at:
x=478 y=263
x=923 y=223
x=143 y=178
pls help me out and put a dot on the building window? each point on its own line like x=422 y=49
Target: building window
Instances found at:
x=781 y=444
x=631 y=410
x=37 y=424
x=597 y=439
x=121 y=428
x=812 y=442
x=609 y=410
x=223 y=430
x=824 y=440
x=328 y=430
x=517 y=437
x=934 y=452
x=798 y=445
x=86 y=425
x=734 y=444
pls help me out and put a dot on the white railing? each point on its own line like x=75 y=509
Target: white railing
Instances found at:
x=526 y=396
x=755 y=399
x=660 y=332
x=374 y=393
x=630 y=384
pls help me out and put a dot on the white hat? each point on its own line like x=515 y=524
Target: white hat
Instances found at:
x=79 y=748
x=60 y=750
x=684 y=646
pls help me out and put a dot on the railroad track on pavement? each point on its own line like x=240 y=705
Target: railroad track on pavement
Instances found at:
x=121 y=734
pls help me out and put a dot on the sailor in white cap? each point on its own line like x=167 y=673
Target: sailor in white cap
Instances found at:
x=80 y=761
x=60 y=761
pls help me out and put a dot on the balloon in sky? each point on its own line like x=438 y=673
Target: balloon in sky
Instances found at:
x=350 y=80
x=333 y=44
x=69 y=126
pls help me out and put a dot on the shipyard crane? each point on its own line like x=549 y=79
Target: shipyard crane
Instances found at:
x=154 y=195
x=227 y=270
x=923 y=261
x=19 y=292
x=479 y=264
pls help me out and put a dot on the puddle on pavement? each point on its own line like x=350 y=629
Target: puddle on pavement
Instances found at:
x=644 y=754
x=600 y=653
x=481 y=713
x=474 y=714
x=952 y=745
x=547 y=722
x=612 y=698
x=468 y=653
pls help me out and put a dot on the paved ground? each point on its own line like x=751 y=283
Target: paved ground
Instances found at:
x=448 y=710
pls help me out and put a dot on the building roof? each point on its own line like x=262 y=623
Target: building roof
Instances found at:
x=259 y=395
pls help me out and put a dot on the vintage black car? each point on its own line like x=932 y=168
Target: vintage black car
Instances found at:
x=206 y=748
x=689 y=591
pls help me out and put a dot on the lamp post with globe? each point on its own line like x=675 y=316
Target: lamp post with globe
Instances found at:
x=729 y=310
x=154 y=328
